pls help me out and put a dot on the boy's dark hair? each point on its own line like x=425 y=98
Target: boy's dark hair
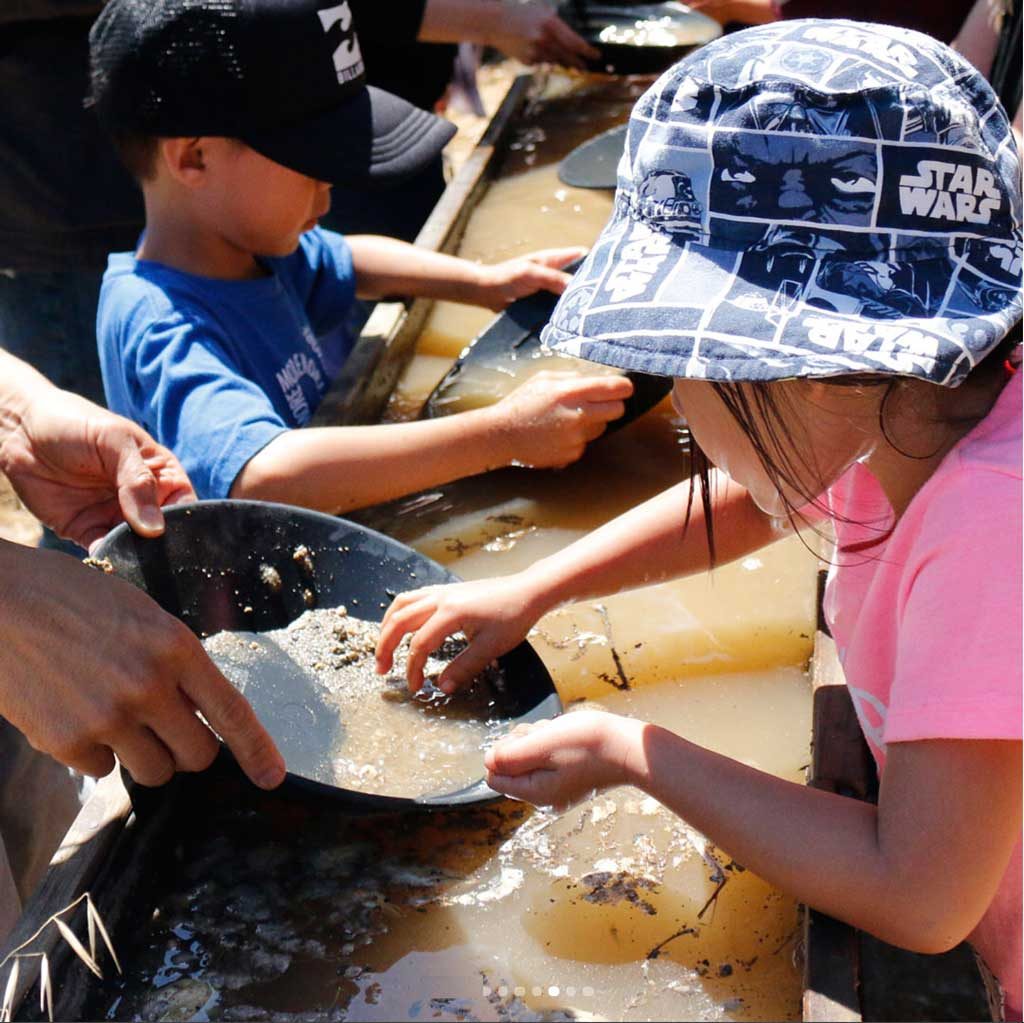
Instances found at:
x=138 y=153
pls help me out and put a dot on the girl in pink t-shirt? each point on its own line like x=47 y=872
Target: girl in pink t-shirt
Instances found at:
x=817 y=233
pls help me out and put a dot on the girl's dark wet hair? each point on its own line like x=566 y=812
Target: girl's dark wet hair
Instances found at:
x=759 y=414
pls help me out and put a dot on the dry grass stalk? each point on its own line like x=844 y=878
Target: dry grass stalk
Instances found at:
x=88 y=957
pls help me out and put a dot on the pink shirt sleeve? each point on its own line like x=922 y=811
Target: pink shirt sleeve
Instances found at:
x=958 y=666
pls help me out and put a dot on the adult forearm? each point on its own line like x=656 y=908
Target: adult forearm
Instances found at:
x=20 y=384
x=648 y=544
x=338 y=469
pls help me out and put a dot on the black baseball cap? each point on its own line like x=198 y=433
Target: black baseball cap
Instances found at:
x=284 y=76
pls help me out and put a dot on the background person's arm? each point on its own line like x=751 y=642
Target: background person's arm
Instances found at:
x=531 y=32
x=978 y=38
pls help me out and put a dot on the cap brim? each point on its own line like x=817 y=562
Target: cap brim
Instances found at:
x=374 y=139
x=670 y=306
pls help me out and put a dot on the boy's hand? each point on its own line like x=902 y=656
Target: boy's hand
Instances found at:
x=494 y=614
x=558 y=763
x=82 y=469
x=549 y=420
x=500 y=284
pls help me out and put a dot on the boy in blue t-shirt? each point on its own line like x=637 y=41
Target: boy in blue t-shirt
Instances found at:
x=222 y=333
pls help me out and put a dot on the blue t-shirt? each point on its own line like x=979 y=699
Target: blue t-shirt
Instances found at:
x=215 y=369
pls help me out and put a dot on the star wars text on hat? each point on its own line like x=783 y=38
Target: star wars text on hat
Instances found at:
x=950 y=191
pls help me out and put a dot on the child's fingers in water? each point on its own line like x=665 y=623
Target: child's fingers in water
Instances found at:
x=403 y=621
x=427 y=638
x=530 y=788
x=464 y=668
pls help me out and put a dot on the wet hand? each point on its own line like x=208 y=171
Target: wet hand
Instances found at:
x=500 y=284
x=549 y=420
x=534 y=34
x=82 y=469
x=560 y=762
x=91 y=668
x=494 y=614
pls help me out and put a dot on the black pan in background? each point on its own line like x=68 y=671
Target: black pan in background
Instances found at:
x=207 y=570
x=594 y=20
x=594 y=163
x=514 y=335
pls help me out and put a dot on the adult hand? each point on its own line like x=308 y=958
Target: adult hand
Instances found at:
x=494 y=614
x=90 y=668
x=82 y=469
x=550 y=418
x=502 y=283
x=560 y=762
x=533 y=33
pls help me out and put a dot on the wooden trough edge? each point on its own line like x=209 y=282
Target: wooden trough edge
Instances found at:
x=361 y=391
x=105 y=819
x=840 y=762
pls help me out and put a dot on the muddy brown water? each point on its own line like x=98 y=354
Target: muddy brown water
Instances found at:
x=615 y=910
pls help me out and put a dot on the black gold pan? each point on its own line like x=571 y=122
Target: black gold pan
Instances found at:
x=594 y=163
x=209 y=570
x=638 y=38
x=513 y=338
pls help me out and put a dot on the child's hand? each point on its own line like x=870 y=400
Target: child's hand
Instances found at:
x=494 y=614
x=558 y=763
x=550 y=419
x=502 y=283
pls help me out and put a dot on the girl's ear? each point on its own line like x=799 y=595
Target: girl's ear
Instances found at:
x=184 y=160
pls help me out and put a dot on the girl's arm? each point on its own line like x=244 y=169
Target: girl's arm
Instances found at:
x=645 y=545
x=919 y=870
x=546 y=422
x=385 y=267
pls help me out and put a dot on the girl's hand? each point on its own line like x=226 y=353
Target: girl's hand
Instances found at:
x=561 y=762
x=499 y=284
x=495 y=615
x=548 y=421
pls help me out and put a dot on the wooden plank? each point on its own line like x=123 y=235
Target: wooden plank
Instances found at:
x=110 y=846
x=444 y=227
x=72 y=870
x=361 y=390
x=840 y=762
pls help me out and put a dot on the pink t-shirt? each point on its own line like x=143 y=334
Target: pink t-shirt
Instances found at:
x=928 y=623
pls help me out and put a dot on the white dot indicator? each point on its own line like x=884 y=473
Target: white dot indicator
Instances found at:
x=553 y=991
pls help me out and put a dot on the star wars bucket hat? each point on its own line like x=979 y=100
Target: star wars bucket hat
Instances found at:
x=284 y=76
x=807 y=198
